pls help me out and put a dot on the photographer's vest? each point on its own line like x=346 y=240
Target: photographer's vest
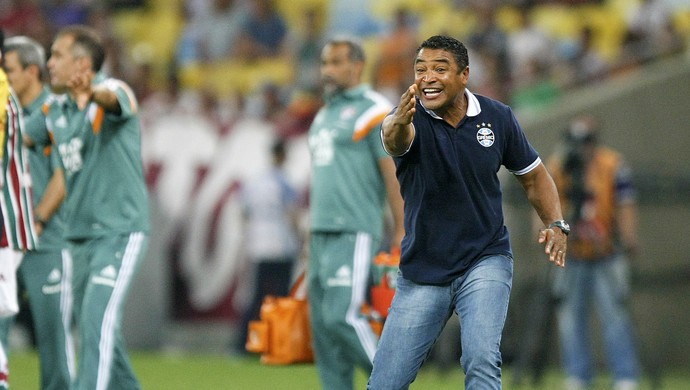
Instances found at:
x=593 y=235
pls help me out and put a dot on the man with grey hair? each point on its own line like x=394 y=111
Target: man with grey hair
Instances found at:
x=44 y=271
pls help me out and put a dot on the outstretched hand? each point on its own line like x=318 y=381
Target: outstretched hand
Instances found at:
x=80 y=87
x=397 y=128
x=408 y=105
x=555 y=245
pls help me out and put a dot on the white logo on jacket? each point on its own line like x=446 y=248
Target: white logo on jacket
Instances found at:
x=343 y=277
x=322 y=149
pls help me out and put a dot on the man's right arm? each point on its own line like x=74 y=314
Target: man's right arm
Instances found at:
x=397 y=128
x=51 y=200
x=395 y=200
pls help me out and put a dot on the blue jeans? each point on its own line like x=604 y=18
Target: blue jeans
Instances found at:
x=419 y=312
x=606 y=284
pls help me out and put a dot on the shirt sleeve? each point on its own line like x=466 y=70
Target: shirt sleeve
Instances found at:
x=519 y=157
x=125 y=96
x=36 y=129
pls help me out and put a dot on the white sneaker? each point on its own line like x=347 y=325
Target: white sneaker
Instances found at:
x=572 y=383
x=625 y=384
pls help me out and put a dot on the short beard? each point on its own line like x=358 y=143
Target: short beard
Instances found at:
x=59 y=89
x=330 y=87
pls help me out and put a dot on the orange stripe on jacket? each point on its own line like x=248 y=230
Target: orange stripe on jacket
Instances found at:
x=97 y=120
x=364 y=130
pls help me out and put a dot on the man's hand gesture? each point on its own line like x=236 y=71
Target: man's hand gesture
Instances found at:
x=398 y=131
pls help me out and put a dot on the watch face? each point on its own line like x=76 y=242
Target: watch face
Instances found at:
x=565 y=228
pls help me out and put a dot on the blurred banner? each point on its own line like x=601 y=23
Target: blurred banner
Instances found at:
x=194 y=176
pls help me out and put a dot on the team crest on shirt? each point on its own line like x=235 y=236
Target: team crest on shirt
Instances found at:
x=347 y=113
x=485 y=136
x=61 y=121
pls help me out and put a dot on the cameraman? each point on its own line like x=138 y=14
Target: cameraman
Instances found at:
x=598 y=198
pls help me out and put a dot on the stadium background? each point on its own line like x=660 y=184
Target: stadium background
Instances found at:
x=193 y=284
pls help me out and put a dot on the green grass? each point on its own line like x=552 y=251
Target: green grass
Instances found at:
x=213 y=372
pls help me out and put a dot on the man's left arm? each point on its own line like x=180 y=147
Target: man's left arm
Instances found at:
x=627 y=226
x=542 y=194
x=626 y=210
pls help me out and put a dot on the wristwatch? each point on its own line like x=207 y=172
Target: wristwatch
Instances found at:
x=561 y=224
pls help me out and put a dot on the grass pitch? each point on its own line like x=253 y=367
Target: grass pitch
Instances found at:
x=158 y=371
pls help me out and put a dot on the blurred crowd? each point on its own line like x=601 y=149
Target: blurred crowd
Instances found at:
x=223 y=58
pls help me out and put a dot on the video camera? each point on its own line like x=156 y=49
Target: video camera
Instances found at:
x=580 y=135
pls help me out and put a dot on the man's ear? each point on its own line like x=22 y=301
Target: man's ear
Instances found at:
x=34 y=69
x=465 y=74
x=360 y=67
x=84 y=63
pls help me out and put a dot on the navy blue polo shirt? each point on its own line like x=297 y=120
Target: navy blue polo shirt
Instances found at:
x=449 y=182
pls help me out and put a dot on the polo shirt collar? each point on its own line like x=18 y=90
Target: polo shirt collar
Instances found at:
x=473 y=107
